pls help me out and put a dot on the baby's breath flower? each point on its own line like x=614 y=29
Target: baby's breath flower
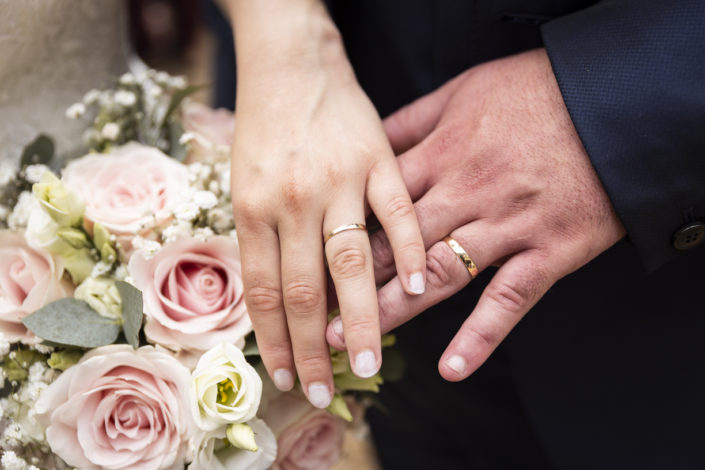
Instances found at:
x=33 y=173
x=11 y=461
x=20 y=213
x=178 y=82
x=128 y=79
x=205 y=200
x=91 y=97
x=175 y=231
x=150 y=247
x=110 y=131
x=76 y=111
x=186 y=211
x=203 y=233
x=125 y=98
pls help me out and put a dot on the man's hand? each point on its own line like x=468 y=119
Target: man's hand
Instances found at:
x=492 y=158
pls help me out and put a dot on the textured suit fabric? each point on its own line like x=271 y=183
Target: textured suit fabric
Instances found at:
x=606 y=372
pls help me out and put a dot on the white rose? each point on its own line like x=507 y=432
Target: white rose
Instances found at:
x=102 y=295
x=226 y=387
x=212 y=452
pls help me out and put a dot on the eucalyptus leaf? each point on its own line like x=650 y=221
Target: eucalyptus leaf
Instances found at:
x=177 y=150
x=72 y=322
x=132 y=311
x=40 y=150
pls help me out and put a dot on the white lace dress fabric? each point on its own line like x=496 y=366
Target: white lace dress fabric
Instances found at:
x=51 y=53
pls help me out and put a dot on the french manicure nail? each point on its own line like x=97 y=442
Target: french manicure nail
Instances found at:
x=366 y=364
x=457 y=364
x=416 y=283
x=283 y=380
x=319 y=395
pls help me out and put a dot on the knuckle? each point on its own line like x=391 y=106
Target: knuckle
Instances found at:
x=296 y=194
x=247 y=209
x=303 y=296
x=261 y=299
x=359 y=327
x=437 y=272
x=311 y=361
x=348 y=262
x=510 y=299
x=486 y=340
x=399 y=207
x=277 y=350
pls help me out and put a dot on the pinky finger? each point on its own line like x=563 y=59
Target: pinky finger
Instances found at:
x=513 y=291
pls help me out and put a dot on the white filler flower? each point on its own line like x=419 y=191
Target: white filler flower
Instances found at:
x=227 y=389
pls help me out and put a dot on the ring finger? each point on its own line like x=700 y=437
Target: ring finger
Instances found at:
x=445 y=272
x=350 y=263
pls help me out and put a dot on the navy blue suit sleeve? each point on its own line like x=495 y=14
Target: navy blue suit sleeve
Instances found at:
x=632 y=75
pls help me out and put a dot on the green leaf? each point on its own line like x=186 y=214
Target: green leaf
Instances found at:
x=349 y=381
x=72 y=322
x=177 y=98
x=40 y=150
x=131 y=312
x=62 y=360
x=338 y=407
x=177 y=150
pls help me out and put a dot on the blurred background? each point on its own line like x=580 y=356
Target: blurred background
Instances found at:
x=182 y=38
x=193 y=38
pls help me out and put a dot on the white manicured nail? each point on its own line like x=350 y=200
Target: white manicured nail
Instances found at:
x=283 y=380
x=457 y=364
x=416 y=283
x=337 y=325
x=319 y=395
x=366 y=364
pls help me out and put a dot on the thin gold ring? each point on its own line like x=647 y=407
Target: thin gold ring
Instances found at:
x=463 y=255
x=344 y=228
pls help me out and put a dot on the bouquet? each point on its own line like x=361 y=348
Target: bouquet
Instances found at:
x=125 y=341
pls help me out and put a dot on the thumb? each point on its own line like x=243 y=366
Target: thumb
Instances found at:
x=411 y=124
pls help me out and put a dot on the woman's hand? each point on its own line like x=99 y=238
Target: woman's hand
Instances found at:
x=309 y=150
x=492 y=158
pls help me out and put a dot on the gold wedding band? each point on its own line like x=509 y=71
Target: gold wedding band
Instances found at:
x=344 y=228
x=463 y=255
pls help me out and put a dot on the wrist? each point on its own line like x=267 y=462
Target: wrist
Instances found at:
x=284 y=37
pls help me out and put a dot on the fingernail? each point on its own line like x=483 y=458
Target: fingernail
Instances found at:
x=366 y=364
x=457 y=364
x=283 y=379
x=416 y=283
x=319 y=395
x=337 y=325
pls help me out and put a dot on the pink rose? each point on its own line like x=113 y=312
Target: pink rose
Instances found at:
x=211 y=131
x=308 y=438
x=129 y=190
x=120 y=408
x=29 y=279
x=193 y=294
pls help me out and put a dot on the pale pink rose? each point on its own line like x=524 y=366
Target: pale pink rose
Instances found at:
x=308 y=438
x=120 y=408
x=193 y=294
x=29 y=279
x=129 y=190
x=211 y=131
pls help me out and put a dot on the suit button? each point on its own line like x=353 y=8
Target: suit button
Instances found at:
x=689 y=236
